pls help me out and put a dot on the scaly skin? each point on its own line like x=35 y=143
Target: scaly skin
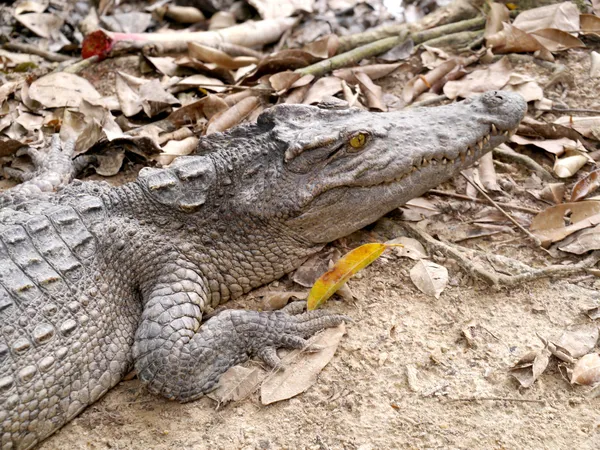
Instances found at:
x=96 y=280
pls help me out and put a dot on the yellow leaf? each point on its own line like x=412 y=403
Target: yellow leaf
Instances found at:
x=343 y=269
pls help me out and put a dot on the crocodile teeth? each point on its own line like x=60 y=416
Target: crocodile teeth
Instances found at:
x=469 y=152
x=494 y=130
x=425 y=162
x=434 y=162
x=480 y=145
x=444 y=161
x=505 y=133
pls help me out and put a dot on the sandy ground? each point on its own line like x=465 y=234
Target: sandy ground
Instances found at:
x=462 y=397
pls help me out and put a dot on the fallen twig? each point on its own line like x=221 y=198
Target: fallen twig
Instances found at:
x=483 y=202
x=531 y=236
x=249 y=34
x=34 y=50
x=496 y=399
x=524 y=160
x=466 y=256
x=383 y=45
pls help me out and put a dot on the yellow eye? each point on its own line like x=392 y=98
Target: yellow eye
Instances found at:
x=358 y=140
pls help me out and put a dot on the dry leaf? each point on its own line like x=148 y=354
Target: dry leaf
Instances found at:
x=586 y=186
x=514 y=40
x=530 y=367
x=218 y=57
x=563 y=16
x=422 y=83
x=579 y=341
x=374 y=71
x=418 y=209
x=301 y=367
x=582 y=242
x=273 y=9
x=174 y=148
x=554 y=146
x=192 y=113
x=373 y=92
x=587 y=370
x=273 y=300
x=557 y=40
x=525 y=86
x=553 y=192
x=558 y=222
x=411 y=248
x=282 y=81
x=326 y=47
x=494 y=77
x=487 y=173
x=498 y=13
x=587 y=126
x=208 y=83
x=231 y=117
x=342 y=271
x=46 y=25
x=308 y=273
x=568 y=166
x=590 y=25
x=236 y=384
x=61 y=89
x=429 y=277
x=323 y=87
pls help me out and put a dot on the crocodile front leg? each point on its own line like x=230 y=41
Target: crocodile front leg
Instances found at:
x=182 y=359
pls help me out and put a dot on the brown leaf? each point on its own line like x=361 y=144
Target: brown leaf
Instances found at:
x=554 y=146
x=411 y=248
x=578 y=341
x=274 y=300
x=218 y=57
x=478 y=81
x=374 y=71
x=315 y=266
x=418 y=208
x=528 y=369
x=557 y=40
x=582 y=241
x=231 y=117
x=325 y=47
x=568 y=166
x=587 y=126
x=192 y=113
x=301 y=368
x=513 y=40
x=553 y=192
x=498 y=13
x=587 y=370
x=46 y=25
x=373 y=92
x=487 y=173
x=60 y=89
x=586 y=186
x=558 y=222
x=290 y=59
x=207 y=83
x=419 y=84
x=273 y=9
x=590 y=24
x=429 y=277
x=563 y=16
x=323 y=87
x=236 y=384
x=282 y=81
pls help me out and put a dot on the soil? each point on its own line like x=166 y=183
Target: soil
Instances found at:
x=463 y=396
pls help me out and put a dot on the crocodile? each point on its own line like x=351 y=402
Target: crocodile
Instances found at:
x=97 y=280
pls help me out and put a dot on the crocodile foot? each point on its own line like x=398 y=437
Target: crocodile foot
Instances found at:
x=53 y=167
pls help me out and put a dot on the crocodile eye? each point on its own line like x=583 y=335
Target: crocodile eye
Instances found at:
x=358 y=141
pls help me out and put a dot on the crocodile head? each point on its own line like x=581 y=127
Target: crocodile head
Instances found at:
x=342 y=170
x=322 y=174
